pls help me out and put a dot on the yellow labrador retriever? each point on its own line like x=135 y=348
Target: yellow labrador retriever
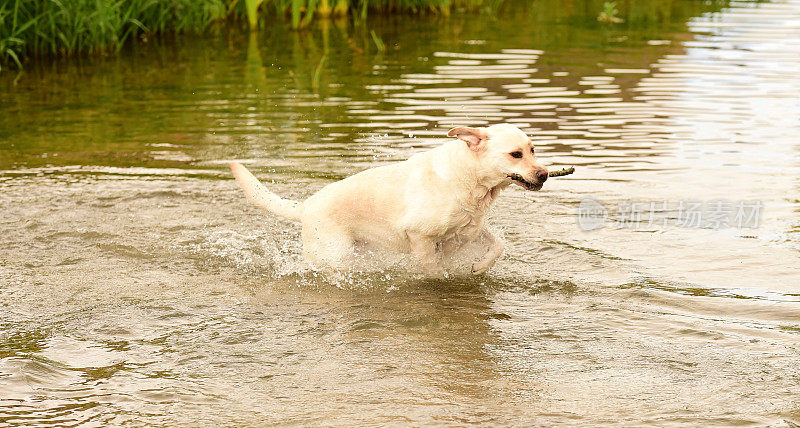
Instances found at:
x=429 y=205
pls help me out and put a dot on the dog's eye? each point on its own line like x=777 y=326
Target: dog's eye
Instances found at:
x=516 y=154
x=532 y=151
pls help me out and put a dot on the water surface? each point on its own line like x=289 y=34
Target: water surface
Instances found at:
x=138 y=287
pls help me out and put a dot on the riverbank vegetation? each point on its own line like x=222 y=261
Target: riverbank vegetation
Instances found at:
x=32 y=29
x=68 y=27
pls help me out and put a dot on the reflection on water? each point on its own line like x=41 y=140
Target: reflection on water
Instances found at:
x=137 y=286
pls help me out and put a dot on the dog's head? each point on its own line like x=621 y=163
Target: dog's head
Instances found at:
x=505 y=153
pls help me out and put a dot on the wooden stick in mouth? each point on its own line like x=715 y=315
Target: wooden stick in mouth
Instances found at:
x=562 y=172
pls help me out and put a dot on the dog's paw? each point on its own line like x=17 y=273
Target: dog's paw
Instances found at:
x=479 y=268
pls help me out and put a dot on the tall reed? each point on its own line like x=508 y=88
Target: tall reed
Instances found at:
x=252 y=13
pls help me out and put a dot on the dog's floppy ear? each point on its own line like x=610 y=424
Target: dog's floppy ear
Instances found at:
x=472 y=136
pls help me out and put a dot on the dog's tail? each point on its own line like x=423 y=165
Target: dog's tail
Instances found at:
x=259 y=195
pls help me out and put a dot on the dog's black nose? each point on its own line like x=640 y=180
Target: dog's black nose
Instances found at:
x=541 y=175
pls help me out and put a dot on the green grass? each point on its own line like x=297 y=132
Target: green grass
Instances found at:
x=67 y=27
x=31 y=28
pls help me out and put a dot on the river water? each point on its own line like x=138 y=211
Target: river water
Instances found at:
x=138 y=287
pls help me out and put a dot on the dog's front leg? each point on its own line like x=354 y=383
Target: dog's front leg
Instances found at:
x=424 y=250
x=494 y=251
